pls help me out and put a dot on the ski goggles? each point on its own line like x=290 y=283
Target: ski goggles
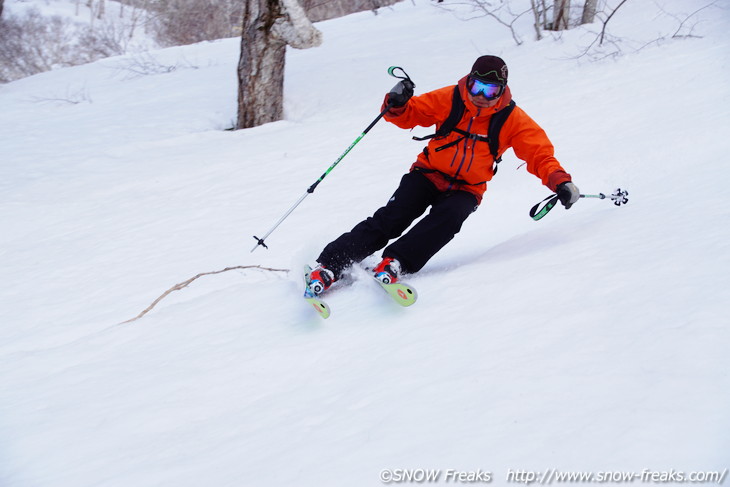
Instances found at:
x=488 y=89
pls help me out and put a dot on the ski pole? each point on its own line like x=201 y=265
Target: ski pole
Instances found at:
x=310 y=190
x=619 y=197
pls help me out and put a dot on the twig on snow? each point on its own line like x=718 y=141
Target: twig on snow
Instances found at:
x=186 y=283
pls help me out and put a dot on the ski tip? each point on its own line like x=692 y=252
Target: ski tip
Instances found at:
x=408 y=295
x=320 y=307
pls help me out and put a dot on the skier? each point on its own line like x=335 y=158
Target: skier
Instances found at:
x=450 y=175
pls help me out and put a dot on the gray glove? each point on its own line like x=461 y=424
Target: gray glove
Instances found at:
x=568 y=194
x=401 y=93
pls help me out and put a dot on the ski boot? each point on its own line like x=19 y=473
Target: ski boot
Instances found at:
x=387 y=271
x=320 y=279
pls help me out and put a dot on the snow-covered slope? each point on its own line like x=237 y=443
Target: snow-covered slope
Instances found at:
x=593 y=340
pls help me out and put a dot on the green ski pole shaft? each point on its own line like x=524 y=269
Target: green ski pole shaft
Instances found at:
x=310 y=190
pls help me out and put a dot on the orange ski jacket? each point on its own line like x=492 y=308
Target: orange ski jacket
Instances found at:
x=468 y=164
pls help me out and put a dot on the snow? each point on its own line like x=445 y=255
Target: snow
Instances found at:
x=592 y=340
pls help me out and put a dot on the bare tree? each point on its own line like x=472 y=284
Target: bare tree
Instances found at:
x=318 y=10
x=605 y=22
x=32 y=43
x=502 y=12
x=268 y=27
x=589 y=11
x=1 y=7
x=594 y=48
x=180 y=22
x=561 y=14
x=539 y=11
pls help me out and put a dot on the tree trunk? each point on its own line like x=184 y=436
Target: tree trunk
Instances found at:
x=536 y=15
x=261 y=66
x=589 y=12
x=268 y=26
x=561 y=14
x=1 y=7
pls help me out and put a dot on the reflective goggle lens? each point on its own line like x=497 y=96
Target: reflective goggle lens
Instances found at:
x=490 y=91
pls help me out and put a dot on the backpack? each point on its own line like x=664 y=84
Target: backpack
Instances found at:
x=457 y=111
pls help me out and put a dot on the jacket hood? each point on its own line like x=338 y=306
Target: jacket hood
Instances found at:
x=503 y=100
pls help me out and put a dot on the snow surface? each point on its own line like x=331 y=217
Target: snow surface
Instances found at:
x=595 y=339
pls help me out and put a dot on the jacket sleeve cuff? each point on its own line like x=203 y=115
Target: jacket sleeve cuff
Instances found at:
x=556 y=179
x=394 y=111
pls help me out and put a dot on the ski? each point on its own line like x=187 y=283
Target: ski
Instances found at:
x=402 y=293
x=309 y=296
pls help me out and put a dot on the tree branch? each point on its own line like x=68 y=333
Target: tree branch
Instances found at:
x=185 y=284
x=682 y=22
x=603 y=30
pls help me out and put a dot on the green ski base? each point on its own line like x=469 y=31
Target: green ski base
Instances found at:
x=401 y=292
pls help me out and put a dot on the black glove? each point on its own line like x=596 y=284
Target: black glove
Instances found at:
x=401 y=93
x=568 y=194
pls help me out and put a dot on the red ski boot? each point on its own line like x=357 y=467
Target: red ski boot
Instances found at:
x=320 y=280
x=387 y=271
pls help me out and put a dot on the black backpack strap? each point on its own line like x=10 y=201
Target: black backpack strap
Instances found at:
x=464 y=135
x=495 y=126
x=457 y=111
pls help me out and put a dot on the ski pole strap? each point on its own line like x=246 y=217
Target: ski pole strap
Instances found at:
x=392 y=71
x=543 y=208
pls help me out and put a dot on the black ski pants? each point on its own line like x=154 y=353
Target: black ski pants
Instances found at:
x=415 y=194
